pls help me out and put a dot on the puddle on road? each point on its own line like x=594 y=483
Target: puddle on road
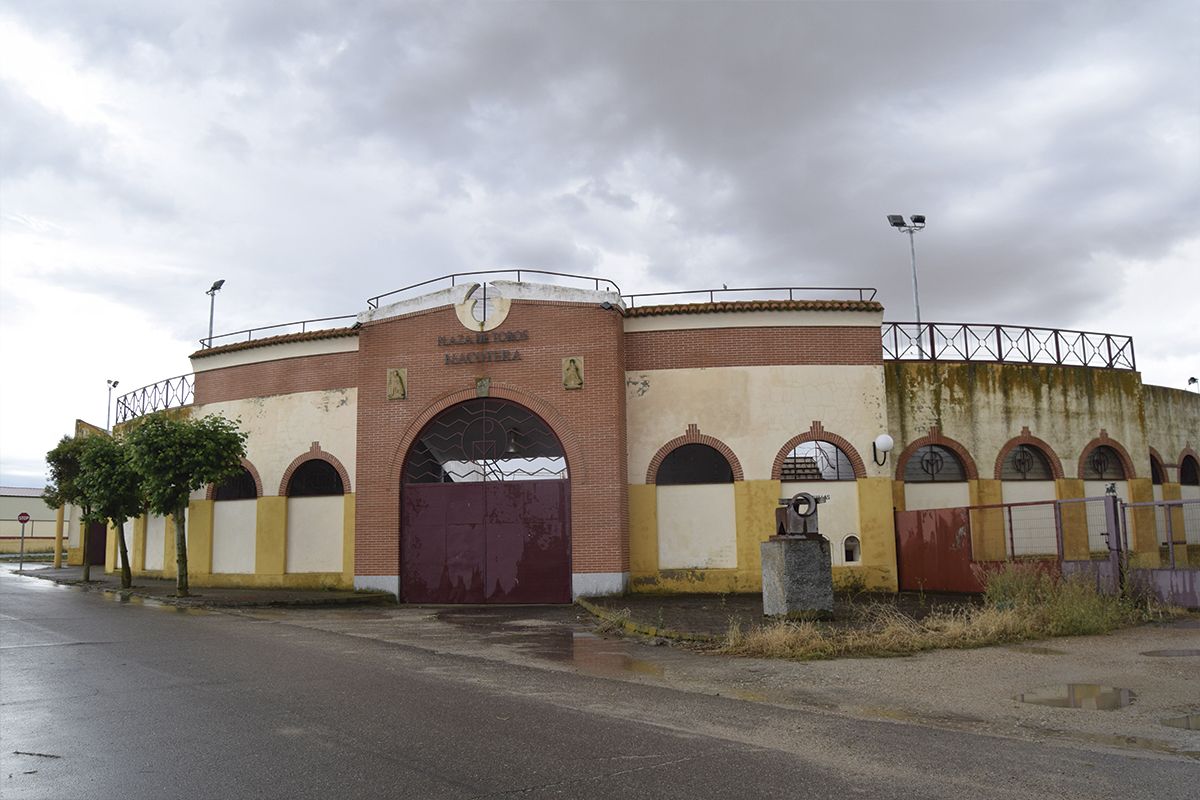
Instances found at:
x=1189 y=722
x=590 y=654
x=1090 y=696
x=136 y=600
x=1178 y=653
x=1037 y=650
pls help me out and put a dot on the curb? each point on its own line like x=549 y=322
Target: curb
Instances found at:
x=200 y=601
x=629 y=626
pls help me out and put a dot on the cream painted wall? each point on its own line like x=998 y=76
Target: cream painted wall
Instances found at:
x=983 y=406
x=1172 y=423
x=156 y=528
x=1097 y=521
x=234 y=536
x=282 y=427
x=753 y=410
x=696 y=526
x=314 y=534
x=41 y=517
x=920 y=496
x=73 y=517
x=1191 y=514
x=1034 y=531
x=838 y=517
x=1027 y=491
x=1160 y=517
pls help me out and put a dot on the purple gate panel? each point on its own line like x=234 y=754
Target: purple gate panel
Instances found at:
x=933 y=551
x=527 y=555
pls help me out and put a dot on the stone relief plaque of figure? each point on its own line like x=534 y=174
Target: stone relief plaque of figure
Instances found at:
x=572 y=372
x=397 y=383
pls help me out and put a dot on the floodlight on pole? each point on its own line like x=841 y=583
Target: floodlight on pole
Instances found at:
x=898 y=222
x=108 y=411
x=212 y=293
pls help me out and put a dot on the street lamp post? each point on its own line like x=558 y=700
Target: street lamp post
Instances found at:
x=212 y=304
x=898 y=222
x=108 y=411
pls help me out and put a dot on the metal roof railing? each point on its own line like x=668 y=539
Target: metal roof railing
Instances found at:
x=249 y=334
x=456 y=277
x=1006 y=344
x=169 y=393
x=864 y=293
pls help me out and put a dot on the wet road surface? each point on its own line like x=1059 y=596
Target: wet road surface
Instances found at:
x=103 y=699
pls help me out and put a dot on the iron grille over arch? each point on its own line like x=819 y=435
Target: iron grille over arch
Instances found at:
x=817 y=461
x=934 y=463
x=1026 y=462
x=315 y=478
x=239 y=487
x=1103 y=463
x=485 y=439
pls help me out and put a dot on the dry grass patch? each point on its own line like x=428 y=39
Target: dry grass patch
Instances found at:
x=1020 y=603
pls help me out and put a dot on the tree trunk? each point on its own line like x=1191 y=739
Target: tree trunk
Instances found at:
x=181 y=577
x=126 y=572
x=83 y=540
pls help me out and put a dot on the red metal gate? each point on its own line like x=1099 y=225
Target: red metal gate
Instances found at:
x=485 y=509
x=933 y=551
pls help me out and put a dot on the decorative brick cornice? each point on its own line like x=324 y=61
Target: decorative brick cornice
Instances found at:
x=1027 y=438
x=693 y=436
x=554 y=420
x=817 y=433
x=210 y=493
x=1122 y=453
x=315 y=453
x=935 y=437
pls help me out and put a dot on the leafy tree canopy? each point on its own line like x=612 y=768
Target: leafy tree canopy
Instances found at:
x=175 y=457
x=112 y=487
x=64 y=460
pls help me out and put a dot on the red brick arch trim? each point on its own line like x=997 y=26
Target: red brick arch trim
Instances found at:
x=1122 y=453
x=693 y=436
x=211 y=492
x=1027 y=438
x=817 y=433
x=935 y=437
x=576 y=465
x=315 y=453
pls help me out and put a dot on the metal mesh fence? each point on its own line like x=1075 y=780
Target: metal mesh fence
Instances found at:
x=1031 y=530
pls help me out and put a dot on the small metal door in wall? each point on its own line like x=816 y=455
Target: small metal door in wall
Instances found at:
x=485 y=509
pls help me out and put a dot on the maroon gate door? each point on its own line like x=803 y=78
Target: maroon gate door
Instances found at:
x=933 y=551
x=97 y=542
x=485 y=509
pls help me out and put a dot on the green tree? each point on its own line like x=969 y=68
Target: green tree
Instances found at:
x=64 y=488
x=112 y=489
x=175 y=457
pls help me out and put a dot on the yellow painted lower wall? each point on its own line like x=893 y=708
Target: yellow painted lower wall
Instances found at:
x=754 y=511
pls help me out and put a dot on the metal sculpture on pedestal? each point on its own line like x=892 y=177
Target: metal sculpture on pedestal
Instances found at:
x=797 y=565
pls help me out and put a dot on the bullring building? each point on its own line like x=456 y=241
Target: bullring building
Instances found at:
x=477 y=440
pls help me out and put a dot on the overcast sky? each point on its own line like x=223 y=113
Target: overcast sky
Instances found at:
x=314 y=154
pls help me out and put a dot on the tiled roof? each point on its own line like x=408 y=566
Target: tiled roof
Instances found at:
x=286 y=338
x=754 y=305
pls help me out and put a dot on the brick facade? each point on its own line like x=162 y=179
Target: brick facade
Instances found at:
x=590 y=422
x=284 y=376
x=753 y=347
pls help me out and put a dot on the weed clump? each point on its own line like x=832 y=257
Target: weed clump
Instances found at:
x=1020 y=602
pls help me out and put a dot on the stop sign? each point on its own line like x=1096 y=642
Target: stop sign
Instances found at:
x=22 y=518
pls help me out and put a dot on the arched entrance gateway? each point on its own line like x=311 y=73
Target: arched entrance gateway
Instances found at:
x=485 y=509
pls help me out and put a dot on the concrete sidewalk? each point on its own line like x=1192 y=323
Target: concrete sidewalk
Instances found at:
x=163 y=591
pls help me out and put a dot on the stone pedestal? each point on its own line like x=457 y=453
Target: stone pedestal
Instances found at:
x=797 y=577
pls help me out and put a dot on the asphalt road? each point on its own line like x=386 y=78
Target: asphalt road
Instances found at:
x=100 y=699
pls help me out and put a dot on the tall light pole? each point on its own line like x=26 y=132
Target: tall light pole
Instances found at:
x=108 y=412
x=918 y=223
x=212 y=304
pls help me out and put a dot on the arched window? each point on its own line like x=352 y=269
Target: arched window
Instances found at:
x=1026 y=462
x=1156 y=471
x=1189 y=471
x=1103 y=464
x=315 y=478
x=851 y=550
x=239 y=487
x=693 y=463
x=816 y=461
x=934 y=463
